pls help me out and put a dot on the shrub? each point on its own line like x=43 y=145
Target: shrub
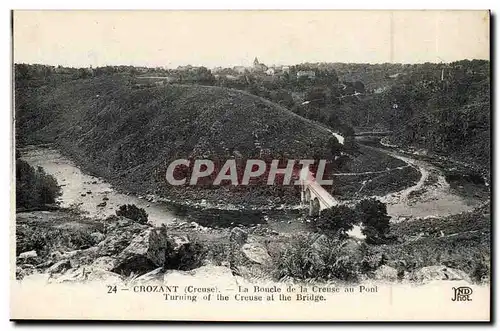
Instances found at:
x=337 y=220
x=375 y=222
x=34 y=188
x=133 y=212
x=305 y=259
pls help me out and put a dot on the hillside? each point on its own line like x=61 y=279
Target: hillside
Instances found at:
x=129 y=135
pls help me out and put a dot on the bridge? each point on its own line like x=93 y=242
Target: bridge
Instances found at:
x=313 y=194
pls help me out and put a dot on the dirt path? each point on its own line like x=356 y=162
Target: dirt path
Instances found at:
x=430 y=196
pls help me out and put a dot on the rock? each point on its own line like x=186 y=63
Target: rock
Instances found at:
x=70 y=254
x=97 y=237
x=81 y=256
x=256 y=253
x=238 y=236
x=105 y=199
x=154 y=275
x=83 y=195
x=89 y=192
x=89 y=274
x=102 y=204
x=45 y=264
x=104 y=262
x=56 y=255
x=59 y=267
x=119 y=235
x=27 y=255
x=146 y=252
x=431 y=273
x=25 y=270
x=178 y=242
x=386 y=273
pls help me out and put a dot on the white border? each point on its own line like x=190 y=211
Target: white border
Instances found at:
x=5 y=130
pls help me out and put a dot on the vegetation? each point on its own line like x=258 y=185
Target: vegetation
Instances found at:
x=55 y=234
x=129 y=136
x=335 y=221
x=34 y=188
x=374 y=220
x=302 y=259
x=133 y=212
x=370 y=213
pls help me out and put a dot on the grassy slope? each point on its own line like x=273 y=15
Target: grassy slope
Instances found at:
x=129 y=135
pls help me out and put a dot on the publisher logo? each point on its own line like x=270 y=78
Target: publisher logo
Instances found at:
x=462 y=293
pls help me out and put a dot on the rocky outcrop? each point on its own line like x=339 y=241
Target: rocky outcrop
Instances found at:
x=119 y=234
x=59 y=267
x=386 y=273
x=89 y=274
x=146 y=252
x=28 y=255
x=256 y=252
x=104 y=262
x=238 y=236
x=433 y=273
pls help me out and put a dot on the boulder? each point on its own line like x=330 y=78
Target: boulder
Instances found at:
x=97 y=237
x=89 y=274
x=178 y=241
x=81 y=256
x=386 y=273
x=432 y=273
x=146 y=252
x=238 y=236
x=104 y=262
x=256 y=252
x=119 y=235
x=27 y=255
x=59 y=267
x=152 y=276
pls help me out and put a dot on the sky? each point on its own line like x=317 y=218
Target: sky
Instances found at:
x=229 y=38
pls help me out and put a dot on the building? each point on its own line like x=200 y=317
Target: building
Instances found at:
x=240 y=69
x=306 y=73
x=259 y=67
x=270 y=72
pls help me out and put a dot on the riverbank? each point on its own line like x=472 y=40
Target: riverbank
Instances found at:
x=67 y=247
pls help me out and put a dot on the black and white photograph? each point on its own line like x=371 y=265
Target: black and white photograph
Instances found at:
x=306 y=165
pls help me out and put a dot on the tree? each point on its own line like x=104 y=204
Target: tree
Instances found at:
x=34 y=188
x=337 y=220
x=133 y=212
x=374 y=220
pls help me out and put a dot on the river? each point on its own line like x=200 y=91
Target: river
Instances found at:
x=97 y=198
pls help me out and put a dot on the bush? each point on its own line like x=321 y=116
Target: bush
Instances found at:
x=133 y=212
x=375 y=222
x=337 y=220
x=304 y=259
x=34 y=188
x=45 y=239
